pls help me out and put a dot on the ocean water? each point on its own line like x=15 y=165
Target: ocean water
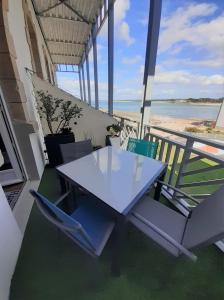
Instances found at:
x=174 y=110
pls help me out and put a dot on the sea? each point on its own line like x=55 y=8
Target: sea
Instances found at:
x=169 y=109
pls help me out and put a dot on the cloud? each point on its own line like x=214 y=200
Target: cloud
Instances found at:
x=187 y=78
x=121 y=26
x=184 y=26
x=210 y=63
x=131 y=60
x=69 y=85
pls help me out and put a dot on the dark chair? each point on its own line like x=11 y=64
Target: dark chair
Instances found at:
x=179 y=234
x=87 y=226
x=73 y=151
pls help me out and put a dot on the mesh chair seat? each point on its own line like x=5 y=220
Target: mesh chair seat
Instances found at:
x=142 y=147
x=162 y=216
x=98 y=226
x=177 y=233
x=87 y=226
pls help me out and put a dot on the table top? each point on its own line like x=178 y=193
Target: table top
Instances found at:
x=117 y=177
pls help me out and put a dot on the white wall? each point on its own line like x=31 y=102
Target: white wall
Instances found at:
x=11 y=238
x=92 y=124
x=17 y=27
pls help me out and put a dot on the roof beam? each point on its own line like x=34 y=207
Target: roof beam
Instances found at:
x=41 y=28
x=61 y=18
x=65 y=42
x=50 y=7
x=65 y=55
x=76 y=12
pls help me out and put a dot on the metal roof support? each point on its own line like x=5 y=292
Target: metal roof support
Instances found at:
x=110 y=56
x=41 y=29
x=84 y=19
x=95 y=69
x=51 y=7
x=65 y=42
x=80 y=84
x=83 y=82
x=72 y=19
x=88 y=78
x=150 y=59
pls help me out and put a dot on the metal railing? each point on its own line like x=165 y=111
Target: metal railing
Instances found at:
x=195 y=164
x=190 y=158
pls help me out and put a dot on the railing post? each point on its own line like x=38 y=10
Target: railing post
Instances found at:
x=185 y=160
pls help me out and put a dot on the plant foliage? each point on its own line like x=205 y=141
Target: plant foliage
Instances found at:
x=56 y=110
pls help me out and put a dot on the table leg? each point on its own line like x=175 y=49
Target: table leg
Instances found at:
x=159 y=187
x=119 y=238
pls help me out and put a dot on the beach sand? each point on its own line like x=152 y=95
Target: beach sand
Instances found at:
x=167 y=122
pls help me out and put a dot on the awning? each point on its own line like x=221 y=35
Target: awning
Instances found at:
x=66 y=26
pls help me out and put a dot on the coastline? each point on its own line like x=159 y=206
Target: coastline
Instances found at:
x=156 y=120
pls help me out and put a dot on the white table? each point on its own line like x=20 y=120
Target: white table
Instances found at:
x=118 y=179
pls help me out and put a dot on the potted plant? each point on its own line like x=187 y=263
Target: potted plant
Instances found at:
x=113 y=138
x=58 y=115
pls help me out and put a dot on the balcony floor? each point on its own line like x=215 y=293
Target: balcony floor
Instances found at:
x=51 y=267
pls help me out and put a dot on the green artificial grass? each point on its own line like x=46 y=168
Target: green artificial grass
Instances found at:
x=51 y=267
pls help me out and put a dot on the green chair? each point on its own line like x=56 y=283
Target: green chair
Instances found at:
x=142 y=147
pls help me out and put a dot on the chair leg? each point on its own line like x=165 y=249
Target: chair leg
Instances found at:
x=120 y=231
x=159 y=186
x=95 y=272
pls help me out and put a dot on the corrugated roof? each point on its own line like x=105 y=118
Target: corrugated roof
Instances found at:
x=66 y=26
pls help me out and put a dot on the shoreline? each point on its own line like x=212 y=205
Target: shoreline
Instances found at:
x=181 y=102
x=168 y=122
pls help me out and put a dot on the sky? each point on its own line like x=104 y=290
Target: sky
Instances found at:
x=190 y=58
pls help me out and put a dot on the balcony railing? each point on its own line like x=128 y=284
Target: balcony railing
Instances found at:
x=195 y=164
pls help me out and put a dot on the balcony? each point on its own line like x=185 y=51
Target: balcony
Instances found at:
x=51 y=267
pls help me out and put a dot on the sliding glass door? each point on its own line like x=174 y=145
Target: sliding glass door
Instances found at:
x=10 y=171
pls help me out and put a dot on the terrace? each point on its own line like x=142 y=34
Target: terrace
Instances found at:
x=54 y=268
x=49 y=265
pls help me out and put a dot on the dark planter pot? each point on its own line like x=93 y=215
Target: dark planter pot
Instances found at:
x=108 y=143
x=52 y=142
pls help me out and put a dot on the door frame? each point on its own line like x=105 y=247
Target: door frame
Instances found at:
x=9 y=140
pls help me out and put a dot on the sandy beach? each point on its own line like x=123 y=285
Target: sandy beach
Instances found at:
x=167 y=122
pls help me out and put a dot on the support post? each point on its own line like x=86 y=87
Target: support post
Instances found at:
x=110 y=56
x=80 y=84
x=88 y=79
x=146 y=105
x=95 y=69
x=83 y=82
x=150 y=56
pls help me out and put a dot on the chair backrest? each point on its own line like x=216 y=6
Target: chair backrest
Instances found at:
x=143 y=147
x=54 y=214
x=206 y=224
x=72 y=151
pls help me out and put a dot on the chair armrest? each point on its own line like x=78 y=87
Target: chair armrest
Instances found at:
x=60 y=199
x=179 y=191
x=167 y=237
